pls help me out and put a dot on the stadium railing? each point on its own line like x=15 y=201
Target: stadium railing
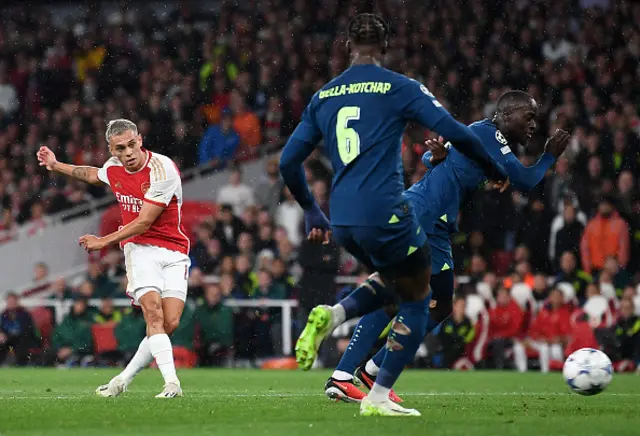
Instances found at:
x=62 y=307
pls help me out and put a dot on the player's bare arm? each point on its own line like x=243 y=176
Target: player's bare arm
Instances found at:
x=47 y=159
x=148 y=214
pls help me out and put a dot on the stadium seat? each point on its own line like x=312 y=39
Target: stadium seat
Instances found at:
x=43 y=320
x=484 y=290
x=104 y=339
x=523 y=295
x=609 y=292
x=569 y=293
x=599 y=312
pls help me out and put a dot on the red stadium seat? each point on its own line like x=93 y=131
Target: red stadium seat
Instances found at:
x=43 y=320
x=104 y=339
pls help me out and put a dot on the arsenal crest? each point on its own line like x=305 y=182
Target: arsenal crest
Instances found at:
x=145 y=187
x=118 y=185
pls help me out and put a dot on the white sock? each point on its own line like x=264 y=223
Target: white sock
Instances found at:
x=139 y=361
x=379 y=393
x=339 y=315
x=342 y=375
x=371 y=368
x=160 y=346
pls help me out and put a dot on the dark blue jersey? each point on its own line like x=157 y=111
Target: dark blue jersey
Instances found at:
x=438 y=195
x=361 y=115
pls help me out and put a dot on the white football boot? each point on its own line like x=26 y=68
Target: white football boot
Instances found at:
x=384 y=408
x=171 y=390
x=115 y=387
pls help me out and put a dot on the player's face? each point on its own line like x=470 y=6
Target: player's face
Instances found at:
x=522 y=124
x=127 y=147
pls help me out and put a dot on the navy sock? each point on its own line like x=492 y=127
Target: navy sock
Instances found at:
x=366 y=298
x=432 y=324
x=364 y=337
x=406 y=335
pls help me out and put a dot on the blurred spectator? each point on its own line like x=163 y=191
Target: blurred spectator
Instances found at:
x=540 y=290
x=319 y=264
x=219 y=143
x=269 y=188
x=227 y=229
x=547 y=334
x=72 y=340
x=107 y=313
x=246 y=123
x=17 y=331
x=8 y=227
x=605 y=235
x=566 y=230
x=618 y=277
x=455 y=333
x=102 y=285
x=215 y=321
x=290 y=216
x=627 y=332
x=236 y=193
x=182 y=338
x=570 y=273
x=9 y=103
x=505 y=324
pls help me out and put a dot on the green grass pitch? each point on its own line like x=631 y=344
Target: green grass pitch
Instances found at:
x=291 y=403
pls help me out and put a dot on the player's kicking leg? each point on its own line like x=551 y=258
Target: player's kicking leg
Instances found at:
x=322 y=320
x=162 y=317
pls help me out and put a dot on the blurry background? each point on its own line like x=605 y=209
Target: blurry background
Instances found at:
x=218 y=86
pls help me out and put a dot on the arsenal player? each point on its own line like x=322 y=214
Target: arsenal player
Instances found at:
x=148 y=188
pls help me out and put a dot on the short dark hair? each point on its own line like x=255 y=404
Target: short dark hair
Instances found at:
x=226 y=208
x=368 y=29
x=512 y=98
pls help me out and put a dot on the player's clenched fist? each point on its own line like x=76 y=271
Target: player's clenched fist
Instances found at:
x=46 y=158
x=557 y=143
x=91 y=243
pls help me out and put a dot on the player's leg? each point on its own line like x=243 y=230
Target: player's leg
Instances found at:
x=322 y=320
x=439 y=309
x=340 y=385
x=174 y=294
x=410 y=277
x=144 y=275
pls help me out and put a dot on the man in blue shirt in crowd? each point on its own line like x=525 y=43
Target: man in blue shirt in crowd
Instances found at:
x=361 y=115
x=219 y=142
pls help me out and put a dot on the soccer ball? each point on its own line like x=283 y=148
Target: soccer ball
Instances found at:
x=587 y=371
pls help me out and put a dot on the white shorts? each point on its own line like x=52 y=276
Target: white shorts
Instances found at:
x=150 y=268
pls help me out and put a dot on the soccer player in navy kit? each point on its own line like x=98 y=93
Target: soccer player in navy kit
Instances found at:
x=436 y=198
x=361 y=116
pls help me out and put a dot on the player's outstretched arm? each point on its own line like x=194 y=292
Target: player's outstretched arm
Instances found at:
x=526 y=178
x=148 y=214
x=47 y=158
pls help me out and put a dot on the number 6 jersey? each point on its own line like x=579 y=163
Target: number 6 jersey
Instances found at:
x=361 y=115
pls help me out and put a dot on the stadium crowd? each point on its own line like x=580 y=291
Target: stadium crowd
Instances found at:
x=221 y=94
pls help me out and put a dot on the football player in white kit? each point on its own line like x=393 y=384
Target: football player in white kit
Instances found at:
x=149 y=191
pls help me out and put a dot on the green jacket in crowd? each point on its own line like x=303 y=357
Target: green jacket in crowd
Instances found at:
x=216 y=323
x=75 y=332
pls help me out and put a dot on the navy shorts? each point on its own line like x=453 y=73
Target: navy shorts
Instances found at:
x=383 y=247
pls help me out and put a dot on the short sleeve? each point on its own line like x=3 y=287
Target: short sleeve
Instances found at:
x=164 y=182
x=103 y=176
